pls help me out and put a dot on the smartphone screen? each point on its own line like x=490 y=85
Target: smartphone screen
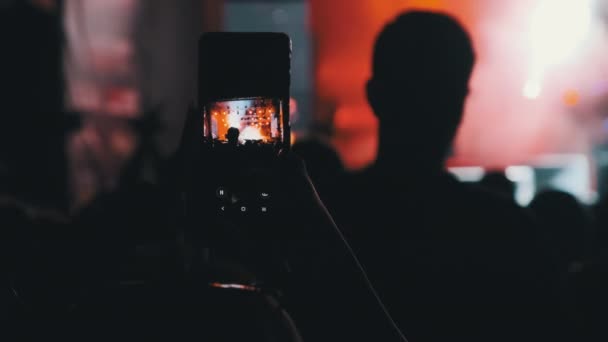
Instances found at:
x=244 y=83
x=255 y=120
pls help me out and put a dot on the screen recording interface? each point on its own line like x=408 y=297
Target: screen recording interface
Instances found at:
x=245 y=120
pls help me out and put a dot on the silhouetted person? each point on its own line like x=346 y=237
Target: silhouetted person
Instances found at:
x=497 y=182
x=233 y=136
x=325 y=292
x=567 y=225
x=89 y=267
x=31 y=110
x=450 y=261
x=600 y=212
x=588 y=298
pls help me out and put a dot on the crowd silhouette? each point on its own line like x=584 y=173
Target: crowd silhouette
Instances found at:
x=401 y=249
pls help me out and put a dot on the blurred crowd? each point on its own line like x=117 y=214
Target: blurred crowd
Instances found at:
x=399 y=249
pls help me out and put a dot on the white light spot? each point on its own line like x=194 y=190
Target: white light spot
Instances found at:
x=532 y=89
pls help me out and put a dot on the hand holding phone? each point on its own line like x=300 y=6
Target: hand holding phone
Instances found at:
x=243 y=108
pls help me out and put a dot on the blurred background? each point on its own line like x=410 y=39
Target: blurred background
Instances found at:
x=537 y=111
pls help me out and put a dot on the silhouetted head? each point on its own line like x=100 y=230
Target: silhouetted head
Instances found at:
x=422 y=62
x=497 y=182
x=233 y=135
x=567 y=222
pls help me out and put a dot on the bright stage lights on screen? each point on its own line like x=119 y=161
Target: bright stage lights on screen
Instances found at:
x=532 y=89
x=251 y=133
x=558 y=31
x=234 y=120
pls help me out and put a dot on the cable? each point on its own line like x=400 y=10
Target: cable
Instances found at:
x=358 y=264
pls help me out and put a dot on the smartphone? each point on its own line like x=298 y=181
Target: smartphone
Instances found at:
x=244 y=83
x=243 y=107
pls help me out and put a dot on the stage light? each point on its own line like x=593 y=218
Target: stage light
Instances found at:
x=468 y=173
x=233 y=121
x=558 y=30
x=571 y=98
x=532 y=89
x=523 y=176
x=251 y=133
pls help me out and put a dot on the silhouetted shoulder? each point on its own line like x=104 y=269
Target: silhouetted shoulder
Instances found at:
x=434 y=246
x=440 y=191
x=484 y=215
x=495 y=204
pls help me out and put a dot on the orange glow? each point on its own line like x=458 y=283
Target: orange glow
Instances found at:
x=253 y=133
x=293 y=138
x=571 y=98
